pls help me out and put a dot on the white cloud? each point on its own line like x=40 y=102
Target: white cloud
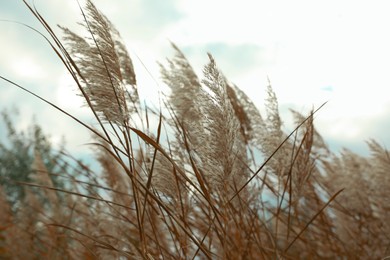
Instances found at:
x=28 y=68
x=312 y=51
x=67 y=93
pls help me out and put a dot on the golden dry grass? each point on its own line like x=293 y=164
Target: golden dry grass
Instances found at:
x=193 y=187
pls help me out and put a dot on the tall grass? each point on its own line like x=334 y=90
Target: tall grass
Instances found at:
x=193 y=188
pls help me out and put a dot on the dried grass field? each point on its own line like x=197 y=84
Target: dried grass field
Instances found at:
x=215 y=179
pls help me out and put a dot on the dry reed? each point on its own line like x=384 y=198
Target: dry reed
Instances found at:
x=199 y=192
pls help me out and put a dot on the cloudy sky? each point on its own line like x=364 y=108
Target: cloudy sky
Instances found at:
x=312 y=51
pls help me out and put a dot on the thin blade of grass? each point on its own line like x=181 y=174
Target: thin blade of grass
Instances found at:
x=274 y=152
x=312 y=219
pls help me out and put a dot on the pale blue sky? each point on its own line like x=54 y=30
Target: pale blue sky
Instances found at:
x=311 y=50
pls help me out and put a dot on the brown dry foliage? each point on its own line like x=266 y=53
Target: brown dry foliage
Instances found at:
x=193 y=187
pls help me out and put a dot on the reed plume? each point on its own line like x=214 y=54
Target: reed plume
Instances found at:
x=216 y=179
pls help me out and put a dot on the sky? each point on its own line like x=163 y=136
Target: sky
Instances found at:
x=312 y=51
